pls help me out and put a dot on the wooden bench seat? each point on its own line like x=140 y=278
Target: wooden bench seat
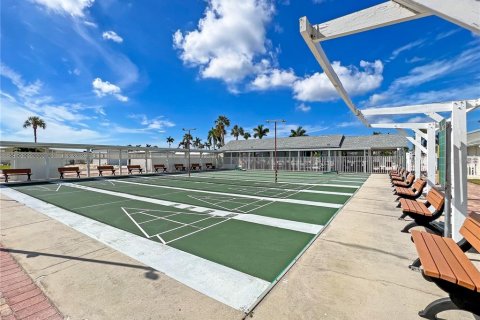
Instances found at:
x=196 y=166
x=411 y=193
x=209 y=166
x=407 y=183
x=17 y=172
x=420 y=213
x=63 y=170
x=105 y=168
x=157 y=167
x=134 y=167
x=444 y=262
x=179 y=167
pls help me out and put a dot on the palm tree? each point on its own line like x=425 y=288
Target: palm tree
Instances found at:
x=197 y=142
x=207 y=145
x=221 y=124
x=185 y=141
x=260 y=131
x=237 y=131
x=246 y=135
x=212 y=137
x=170 y=140
x=299 y=132
x=35 y=123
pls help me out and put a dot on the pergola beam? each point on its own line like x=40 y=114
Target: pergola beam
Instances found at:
x=406 y=125
x=420 y=108
x=464 y=13
x=307 y=32
x=381 y=15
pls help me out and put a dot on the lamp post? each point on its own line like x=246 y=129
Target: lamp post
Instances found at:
x=275 y=166
x=188 y=143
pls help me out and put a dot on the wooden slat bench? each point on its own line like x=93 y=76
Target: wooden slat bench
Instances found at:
x=105 y=168
x=134 y=167
x=157 y=167
x=395 y=172
x=399 y=173
x=407 y=183
x=420 y=213
x=17 y=172
x=401 y=177
x=196 y=166
x=63 y=170
x=444 y=263
x=209 y=166
x=411 y=193
x=179 y=167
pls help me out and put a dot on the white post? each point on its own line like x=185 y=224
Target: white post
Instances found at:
x=431 y=156
x=418 y=157
x=298 y=161
x=365 y=161
x=47 y=164
x=248 y=165
x=329 y=164
x=88 y=163
x=146 y=161
x=459 y=168
x=120 y=160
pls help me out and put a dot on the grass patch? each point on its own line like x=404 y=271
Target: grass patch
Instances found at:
x=476 y=181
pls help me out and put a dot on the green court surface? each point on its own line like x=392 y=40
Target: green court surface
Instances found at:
x=239 y=219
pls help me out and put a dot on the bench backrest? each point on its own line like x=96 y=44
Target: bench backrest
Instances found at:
x=195 y=164
x=133 y=166
x=68 y=169
x=178 y=165
x=159 y=166
x=436 y=199
x=209 y=164
x=419 y=184
x=410 y=178
x=16 y=171
x=105 y=167
x=471 y=230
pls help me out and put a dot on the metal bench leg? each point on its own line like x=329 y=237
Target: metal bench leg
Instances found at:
x=403 y=216
x=435 y=228
x=28 y=179
x=409 y=226
x=437 y=306
x=415 y=264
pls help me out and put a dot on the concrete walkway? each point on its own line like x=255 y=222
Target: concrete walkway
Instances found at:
x=357 y=269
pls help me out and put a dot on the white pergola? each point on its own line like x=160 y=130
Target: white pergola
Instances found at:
x=464 y=13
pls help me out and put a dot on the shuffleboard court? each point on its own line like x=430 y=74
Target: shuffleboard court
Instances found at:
x=239 y=220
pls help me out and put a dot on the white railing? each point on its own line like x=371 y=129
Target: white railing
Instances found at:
x=473 y=167
x=353 y=164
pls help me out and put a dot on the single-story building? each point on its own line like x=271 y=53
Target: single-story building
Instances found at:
x=375 y=153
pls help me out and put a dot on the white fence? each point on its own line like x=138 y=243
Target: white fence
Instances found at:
x=473 y=167
x=353 y=164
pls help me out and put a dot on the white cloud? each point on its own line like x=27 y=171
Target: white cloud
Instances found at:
x=24 y=89
x=398 y=91
x=318 y=87
x=74 y=8
x=103 y=88
x=156 y=124
x=406 y=47
x=274 y=78
x=227 y=40
x=112 y=35
x=303 y=107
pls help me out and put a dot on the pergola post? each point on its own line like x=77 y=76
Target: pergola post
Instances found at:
x=120 y=159
x=431 y=156
x=459 y=169
x=418 y=156
x=88 y=162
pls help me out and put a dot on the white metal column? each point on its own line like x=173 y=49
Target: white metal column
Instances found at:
x=88 y=162
x=418 y=156
x=459 y=167
x=431 y=156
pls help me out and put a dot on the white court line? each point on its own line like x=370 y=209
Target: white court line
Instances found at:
x=292 y=225
x=229 y=286
x=296 y=183
x=246 y=188
x=296 y=201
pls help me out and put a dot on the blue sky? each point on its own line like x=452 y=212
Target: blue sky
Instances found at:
x=119 y=72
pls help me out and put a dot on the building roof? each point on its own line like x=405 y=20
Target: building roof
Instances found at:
x=473 y=138
x=339 y=142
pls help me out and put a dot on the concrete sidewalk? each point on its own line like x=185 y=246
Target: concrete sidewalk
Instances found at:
x=357 y=269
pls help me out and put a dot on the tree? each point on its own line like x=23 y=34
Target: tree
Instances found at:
x=260 y=131
x=207 y=145
x=299 y=132
x=170 y=140
x=376 y=133
x=35 y=123
x=221 y=124
x=185 y=141
x=197 y=143
x=237 y=131
x=212 y=137
x=148 y=145
x=246 y=135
